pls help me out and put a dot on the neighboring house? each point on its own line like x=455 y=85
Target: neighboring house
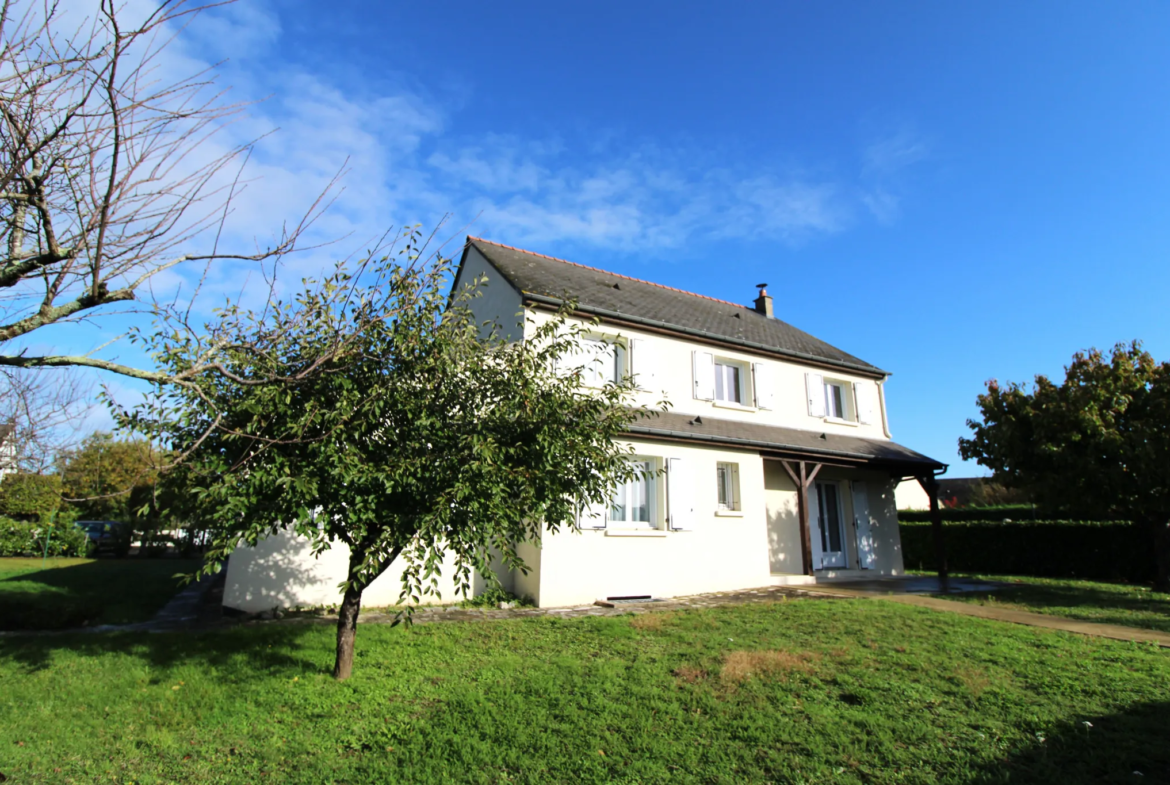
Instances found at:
x=759 y=409
x=910 y=495
x=7 y=448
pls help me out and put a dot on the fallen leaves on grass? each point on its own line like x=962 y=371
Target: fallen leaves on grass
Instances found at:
x=689 y=674
x=650 y=621
x=974 y=679
x=741 y=665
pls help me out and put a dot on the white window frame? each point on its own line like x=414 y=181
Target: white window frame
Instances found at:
x=848 y=404
x=743 y=372
x=653 y=488
x=593 y=373
x=727 y=497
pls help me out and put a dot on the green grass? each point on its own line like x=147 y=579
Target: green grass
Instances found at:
x=845 y=692
x=1109 y=603
x=84 y=592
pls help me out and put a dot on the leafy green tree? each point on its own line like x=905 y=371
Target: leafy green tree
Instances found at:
x=1098 y=444
x=419 y=440
x=99 y=475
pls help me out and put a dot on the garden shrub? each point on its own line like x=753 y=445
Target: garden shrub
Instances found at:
x=27 y=538
x=1093 y=550
x=30 y=496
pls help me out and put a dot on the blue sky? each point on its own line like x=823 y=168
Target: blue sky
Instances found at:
x=953 y=193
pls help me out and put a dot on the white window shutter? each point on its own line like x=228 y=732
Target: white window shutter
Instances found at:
x=735 y=501
x=762 y=386
x=680 y=496
x=863 y=523
x=592 y=516
x=704 y=367
x=643 y=364
x=863 y=396
x=815 y=385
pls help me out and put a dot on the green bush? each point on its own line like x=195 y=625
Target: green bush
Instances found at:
x=493 y=597
x=1014 y=512
x=27 y=538
x=30 y=496
x=1094 y=550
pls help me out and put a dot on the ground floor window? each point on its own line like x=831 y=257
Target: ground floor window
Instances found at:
x=635 y=502
x=727 y=485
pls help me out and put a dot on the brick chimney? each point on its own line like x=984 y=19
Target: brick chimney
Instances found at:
x=764 y=301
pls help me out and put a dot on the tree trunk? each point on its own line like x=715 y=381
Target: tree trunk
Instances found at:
x=347 y=620
x=1161 y=531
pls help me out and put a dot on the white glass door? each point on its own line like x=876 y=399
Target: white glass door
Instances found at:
x=829 y=533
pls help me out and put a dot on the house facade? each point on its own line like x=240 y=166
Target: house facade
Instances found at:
x=773 y=464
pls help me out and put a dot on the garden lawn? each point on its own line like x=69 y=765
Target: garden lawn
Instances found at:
x=1108 y=603
x=809 y=691
x=78 y=592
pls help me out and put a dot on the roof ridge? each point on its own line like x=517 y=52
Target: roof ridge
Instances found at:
x=609 y=272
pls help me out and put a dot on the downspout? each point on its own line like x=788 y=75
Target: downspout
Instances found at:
x=882 y=403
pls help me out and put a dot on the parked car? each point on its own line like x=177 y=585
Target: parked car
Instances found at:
x=107 y=537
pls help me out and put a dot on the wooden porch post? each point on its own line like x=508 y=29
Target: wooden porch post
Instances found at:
x=930 y=485
x=803 y=478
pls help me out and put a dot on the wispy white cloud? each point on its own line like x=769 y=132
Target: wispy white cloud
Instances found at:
x=409 y=160
x=885 y=162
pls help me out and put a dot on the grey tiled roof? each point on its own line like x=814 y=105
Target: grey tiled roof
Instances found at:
x=780 y=439
x=609 y=294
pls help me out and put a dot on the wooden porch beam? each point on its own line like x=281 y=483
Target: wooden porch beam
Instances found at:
x=929 y=484
x=802 y=478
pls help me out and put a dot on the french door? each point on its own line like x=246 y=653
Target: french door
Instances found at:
x=828 y=536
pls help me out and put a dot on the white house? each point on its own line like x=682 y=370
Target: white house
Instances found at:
x=759 y=411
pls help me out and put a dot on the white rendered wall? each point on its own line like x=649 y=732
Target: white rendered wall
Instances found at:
x=280 y=572
x=496 y=301
x=675 y=383
x=719 y=553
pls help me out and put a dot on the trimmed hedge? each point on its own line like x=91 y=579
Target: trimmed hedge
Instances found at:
x=27 y=538
x=1093 y=550
x=30 y=496
x=1014 y=512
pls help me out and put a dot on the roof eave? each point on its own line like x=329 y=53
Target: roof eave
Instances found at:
x=860 y=458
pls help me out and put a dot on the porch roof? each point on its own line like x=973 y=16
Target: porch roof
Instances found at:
x=780 y=442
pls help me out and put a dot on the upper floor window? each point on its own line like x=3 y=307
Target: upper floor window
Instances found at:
x=728 y=382
x=838 y=399
x=732 y=381
x=598 y=360
x=605 y=361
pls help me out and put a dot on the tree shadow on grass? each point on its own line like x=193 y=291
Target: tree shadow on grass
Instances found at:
x=253 y=650
x=1103 y=749
x=1108 y=607
x=115 y=591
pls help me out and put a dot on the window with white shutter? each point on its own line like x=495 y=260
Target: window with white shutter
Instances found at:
x=592 y=516
x=864 y=393
x=680 y=495
x=703 y=364
x=727 y=486
x=815 y=386
x=643 y=364
x=635 y=502
x=763 y=387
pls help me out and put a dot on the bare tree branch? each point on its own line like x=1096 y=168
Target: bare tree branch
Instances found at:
x=109 y=173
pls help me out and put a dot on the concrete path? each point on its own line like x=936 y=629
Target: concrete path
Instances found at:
x=1114 y=631
x=442 y=613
